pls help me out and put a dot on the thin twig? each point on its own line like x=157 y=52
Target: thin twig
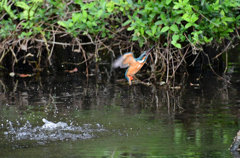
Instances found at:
x=107 y=47
x=84 y=55
x=173 y=74
x=77 y=63
x=213 y=70
x=226 y=63
x=192 y=64
x=64 y=44
x=49 y=56
x=206 y=17
x=226 y=48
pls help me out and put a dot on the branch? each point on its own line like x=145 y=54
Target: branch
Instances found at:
x=206 y=18
x=64 y=44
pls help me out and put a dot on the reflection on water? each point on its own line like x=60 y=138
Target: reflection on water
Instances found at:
x=69 y=115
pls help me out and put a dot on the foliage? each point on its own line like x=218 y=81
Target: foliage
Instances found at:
x=197 y=22
x=171 y=24
x=89 y=20
x=32 y=16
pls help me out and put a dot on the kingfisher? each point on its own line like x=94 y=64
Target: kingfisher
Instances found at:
x=133 y=64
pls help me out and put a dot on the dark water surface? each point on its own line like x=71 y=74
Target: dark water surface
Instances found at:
x=69 y=116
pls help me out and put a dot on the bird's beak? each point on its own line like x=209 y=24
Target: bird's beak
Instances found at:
x=150 y=50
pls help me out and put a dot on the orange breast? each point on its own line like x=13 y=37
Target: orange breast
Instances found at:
x=134 y=68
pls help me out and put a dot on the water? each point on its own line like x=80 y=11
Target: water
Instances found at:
x=70 y=116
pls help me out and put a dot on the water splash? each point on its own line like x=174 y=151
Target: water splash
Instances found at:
x=52 y=126
x=51 y=131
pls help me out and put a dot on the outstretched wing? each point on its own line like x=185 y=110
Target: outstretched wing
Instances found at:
x=124 y=61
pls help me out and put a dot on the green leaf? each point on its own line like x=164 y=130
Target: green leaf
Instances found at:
x=90 y=17
x=207 y=40
x=149 y=32
x=186 y=17
x=178 y=45
x=238 y=17
x=116 y=1
x=175 y=37
x=26 y=25
x=99 y=13
x=127 y=22
x=168 y=2
x=130 y=2
x=182 y=38
x=148 y=6
x=110 y=6
x=154 y=29
x=131 y=28
x=22 y=5
x=185 y=2
x=163 y=17
x=179 y=21
x=84 y=13
x=103 y=34
x=122 y=9
x=135 y=13
x=188 y=25
x=230 y=19
x=79 y=2
x=36 y=1
x=224 y=23
x=194 y=18
x=62 y=23
x=94 y=23
x=103 y=5
x=9 y=11
x=159 y=22
x=76 y=17
x=25 y=34
x=165 y=28
x=89 y=24
x=135 y=38
x=142 y=31
x=66 y=24
x=177 y=5
x=174 y=28
x=222 y=13
x=229 y=30
x=70 y=25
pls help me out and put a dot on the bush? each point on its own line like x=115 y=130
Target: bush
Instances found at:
x=174 y=25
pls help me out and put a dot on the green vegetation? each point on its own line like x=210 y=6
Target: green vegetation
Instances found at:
x=178 y=27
